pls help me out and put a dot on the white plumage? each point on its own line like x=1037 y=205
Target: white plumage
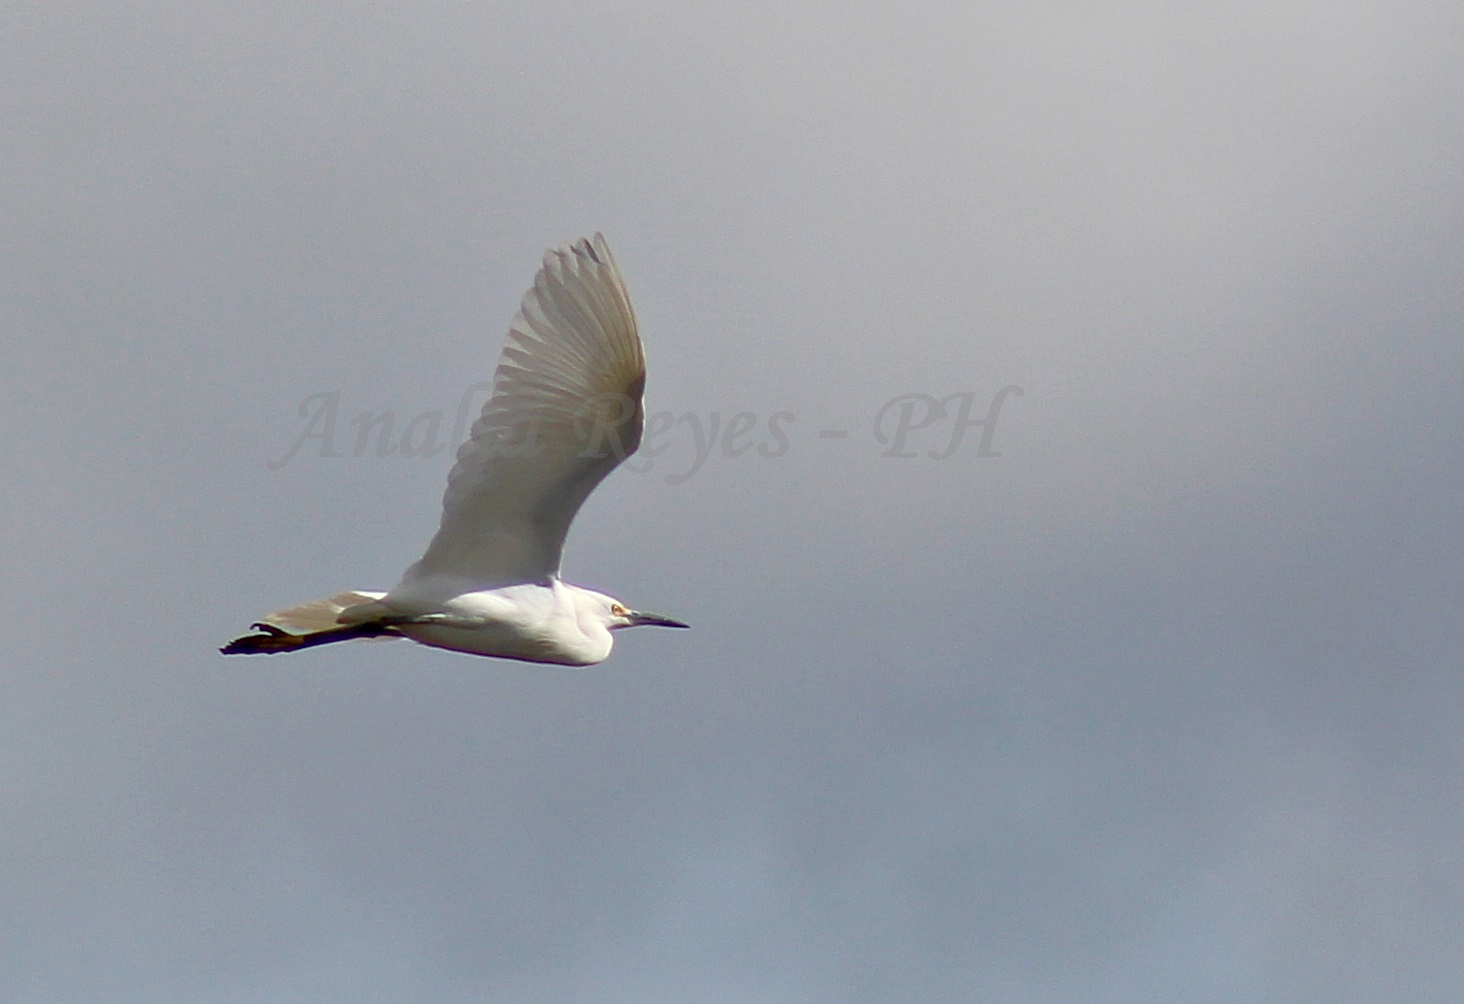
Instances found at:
x=566 y=409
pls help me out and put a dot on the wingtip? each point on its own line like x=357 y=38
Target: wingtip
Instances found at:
x=595 y=247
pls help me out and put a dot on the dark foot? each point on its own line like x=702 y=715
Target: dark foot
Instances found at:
x=272 y=640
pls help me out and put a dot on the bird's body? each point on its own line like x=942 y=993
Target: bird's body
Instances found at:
x=566 y=409
x=528 y=621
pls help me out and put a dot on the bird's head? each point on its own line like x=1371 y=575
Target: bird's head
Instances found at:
x=622 y=616
x=615 y=615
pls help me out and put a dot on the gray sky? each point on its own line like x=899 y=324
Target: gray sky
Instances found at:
x=1160 y=704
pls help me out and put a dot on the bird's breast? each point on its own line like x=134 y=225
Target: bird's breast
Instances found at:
x=505 y=643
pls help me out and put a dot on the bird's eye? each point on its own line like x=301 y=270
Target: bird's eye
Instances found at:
x=617 y=610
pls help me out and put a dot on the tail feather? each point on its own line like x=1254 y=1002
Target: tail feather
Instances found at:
x=319 y=615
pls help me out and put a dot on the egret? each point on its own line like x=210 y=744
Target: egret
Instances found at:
x=566 y=408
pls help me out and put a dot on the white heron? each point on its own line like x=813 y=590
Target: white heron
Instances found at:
x=566 y=409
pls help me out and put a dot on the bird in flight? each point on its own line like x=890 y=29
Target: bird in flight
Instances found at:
x=566 y=409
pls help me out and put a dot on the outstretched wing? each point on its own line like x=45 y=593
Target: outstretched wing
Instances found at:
x=566 y=409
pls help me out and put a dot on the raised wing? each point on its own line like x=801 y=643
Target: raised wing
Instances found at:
x=566 y=409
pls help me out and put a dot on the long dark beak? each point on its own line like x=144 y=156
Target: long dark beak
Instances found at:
x=638 y=619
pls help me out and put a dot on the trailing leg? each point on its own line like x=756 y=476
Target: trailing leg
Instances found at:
x=272 y=640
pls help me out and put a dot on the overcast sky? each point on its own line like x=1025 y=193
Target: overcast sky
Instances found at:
x=1158 y=700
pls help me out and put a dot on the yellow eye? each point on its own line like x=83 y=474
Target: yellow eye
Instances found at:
x=618 y=610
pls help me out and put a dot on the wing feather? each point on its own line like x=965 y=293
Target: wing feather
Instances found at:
x=566 y=409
